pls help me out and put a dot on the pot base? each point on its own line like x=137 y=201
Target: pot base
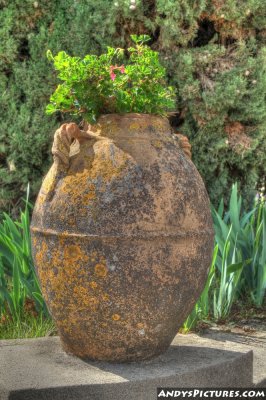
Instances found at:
x=119 y=355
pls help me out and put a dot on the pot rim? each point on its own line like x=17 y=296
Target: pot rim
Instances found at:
x=133 y=115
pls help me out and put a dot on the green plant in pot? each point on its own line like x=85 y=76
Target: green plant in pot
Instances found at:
x=105 y=84
x=122 y=223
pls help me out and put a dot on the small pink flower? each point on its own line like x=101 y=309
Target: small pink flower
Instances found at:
x=113 y=67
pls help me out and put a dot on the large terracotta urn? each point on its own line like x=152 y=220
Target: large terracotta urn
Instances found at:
x=122 y=237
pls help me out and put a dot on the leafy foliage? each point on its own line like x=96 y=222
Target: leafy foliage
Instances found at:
x=238 y=268
x=224 y=92
x=241 y=238
x=18 y=280
x=96 y=85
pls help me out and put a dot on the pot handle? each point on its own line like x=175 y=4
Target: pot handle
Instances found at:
x=63 y=139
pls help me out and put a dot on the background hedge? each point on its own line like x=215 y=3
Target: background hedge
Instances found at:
x=215 y=55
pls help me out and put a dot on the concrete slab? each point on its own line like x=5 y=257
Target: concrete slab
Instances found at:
x=250 y=340
x=38 y=369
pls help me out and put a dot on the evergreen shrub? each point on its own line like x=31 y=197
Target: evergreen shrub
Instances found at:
x=214 y=53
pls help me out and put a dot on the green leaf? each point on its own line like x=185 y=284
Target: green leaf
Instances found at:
x=140 y=38
x=50 y=109
x=235 y=267
x=235 y=209
x=49 y=55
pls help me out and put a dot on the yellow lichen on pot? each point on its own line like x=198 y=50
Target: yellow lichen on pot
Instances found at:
x=119 y=232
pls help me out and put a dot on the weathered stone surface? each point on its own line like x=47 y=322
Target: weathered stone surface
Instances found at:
x=38 y=369
x=239 y=340
x=122 y=237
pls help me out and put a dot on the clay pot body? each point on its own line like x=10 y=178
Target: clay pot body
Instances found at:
x=122 y=240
